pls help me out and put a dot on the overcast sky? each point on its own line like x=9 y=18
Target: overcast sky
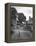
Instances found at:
x=27 y=11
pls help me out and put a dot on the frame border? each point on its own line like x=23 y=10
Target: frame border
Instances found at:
x=22 y=5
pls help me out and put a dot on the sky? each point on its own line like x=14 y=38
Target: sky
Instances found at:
x=27 y=11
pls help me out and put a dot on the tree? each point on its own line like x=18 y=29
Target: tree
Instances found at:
x=13 y=13
x=21 y=17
